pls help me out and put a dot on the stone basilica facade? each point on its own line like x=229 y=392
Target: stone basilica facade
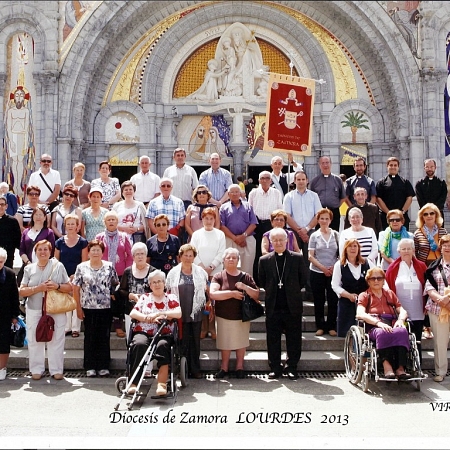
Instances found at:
x=94 y=80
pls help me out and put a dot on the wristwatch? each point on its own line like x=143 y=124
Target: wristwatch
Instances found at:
x=245 y=233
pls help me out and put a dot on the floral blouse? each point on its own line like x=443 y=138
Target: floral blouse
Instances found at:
x=146 y=305
x=96 y=284
x=109 y=189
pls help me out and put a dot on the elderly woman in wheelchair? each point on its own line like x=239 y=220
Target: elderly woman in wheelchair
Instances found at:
x=380 y=308
x=149 y=312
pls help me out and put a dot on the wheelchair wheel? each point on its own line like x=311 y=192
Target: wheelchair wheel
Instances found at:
x=365 y=382
x=121 y=384
x=183 y=371
x=352 y=355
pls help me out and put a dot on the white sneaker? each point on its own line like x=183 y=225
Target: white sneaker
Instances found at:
x=103 y=372
x=91 y=373
x=2 y=374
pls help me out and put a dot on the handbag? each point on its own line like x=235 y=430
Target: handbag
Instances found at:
x=18 y=333
x=46 y=325
x=139 y=236
x=251 y=309
x=59 y=302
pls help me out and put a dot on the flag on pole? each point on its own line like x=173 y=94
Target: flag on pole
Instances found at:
x=290 y=105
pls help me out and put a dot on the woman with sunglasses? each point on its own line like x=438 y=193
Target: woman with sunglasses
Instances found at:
x=66 y=207
x=389 y=238
x=163 y=247
x=381 y=308
x=23 y=214
x=200 y=200
x=426 y=239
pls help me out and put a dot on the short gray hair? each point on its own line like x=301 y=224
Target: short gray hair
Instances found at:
x=3 y=253
x=406 y=241
x=4 y=184
x=229 y=251
x=139 y=246
x=277 y=231
x=231 y=186
x=156 y=273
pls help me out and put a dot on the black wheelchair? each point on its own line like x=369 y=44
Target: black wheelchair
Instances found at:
x=362 y=362
x=177 y=368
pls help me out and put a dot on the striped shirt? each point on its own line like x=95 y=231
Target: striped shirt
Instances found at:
x=264 y=203
x=217 y=181
x=431 y=305
x=422 y=246
x=366 y=238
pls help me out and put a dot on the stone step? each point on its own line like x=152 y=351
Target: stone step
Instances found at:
x=255 y=361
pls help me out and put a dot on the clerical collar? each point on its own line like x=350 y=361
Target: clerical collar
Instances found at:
x=280 y=254
x=430 y=178
x=326 y=176
x=358 y=176
x=392 y=176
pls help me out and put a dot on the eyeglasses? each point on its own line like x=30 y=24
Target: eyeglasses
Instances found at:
x=48 y=161
x=162 y=224
x=395 y=220
x=431 y=213
x=202 y=192
x=376 y=278
x=2 y=205
x=277 y=241
x=166 y=186
x=231 y=258
x=67 y=194
x=157 y=282
x=279 y=219
x=264 y=178
x=33 y=194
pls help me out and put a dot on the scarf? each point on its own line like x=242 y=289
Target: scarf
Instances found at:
x=200 y=278
x=2 y=275
x=402 y=234
x=430 y=236
x=112 y=242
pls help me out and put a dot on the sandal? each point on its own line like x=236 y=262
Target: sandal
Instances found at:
x=389 y=376
x=120 y=333
x=75 y=334
x=427 y=333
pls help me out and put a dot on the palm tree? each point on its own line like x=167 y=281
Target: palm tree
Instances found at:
x=354 y=121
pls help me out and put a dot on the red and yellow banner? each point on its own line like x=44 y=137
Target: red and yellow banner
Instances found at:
x=290 y=105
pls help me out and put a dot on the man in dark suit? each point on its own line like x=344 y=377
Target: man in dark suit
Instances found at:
x=281 y=275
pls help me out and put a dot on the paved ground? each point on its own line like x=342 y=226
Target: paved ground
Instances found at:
x=319 y=412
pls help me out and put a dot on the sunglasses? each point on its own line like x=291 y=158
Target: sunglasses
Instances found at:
x=395 y=220
x=202 y=192
x=69 y=195
x=166 y=186
x=161 y=225
x=33 y=194
x=432 y=213
x=2 y=204
x=48 y=161
x=376 y=278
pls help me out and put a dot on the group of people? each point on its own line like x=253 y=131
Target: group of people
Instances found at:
x=154 y=248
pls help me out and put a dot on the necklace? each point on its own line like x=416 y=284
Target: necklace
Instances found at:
x=280 y=284
x=163 y=245
x=42 y=267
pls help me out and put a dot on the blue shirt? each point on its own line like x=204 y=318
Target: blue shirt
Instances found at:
x=237 y=219
x=216 y=181
x=363 y=181
x=302 y=207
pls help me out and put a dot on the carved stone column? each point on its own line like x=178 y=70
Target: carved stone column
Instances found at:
x=238 y=152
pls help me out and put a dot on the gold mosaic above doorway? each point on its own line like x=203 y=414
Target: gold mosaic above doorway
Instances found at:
x=191 y=75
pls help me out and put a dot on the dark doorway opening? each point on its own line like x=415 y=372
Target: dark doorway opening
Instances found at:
x=123 y=173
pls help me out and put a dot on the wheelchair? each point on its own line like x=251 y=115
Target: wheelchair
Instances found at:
x=177 y=368
x=362 y=362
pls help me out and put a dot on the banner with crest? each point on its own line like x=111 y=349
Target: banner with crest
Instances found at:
x=290 y=106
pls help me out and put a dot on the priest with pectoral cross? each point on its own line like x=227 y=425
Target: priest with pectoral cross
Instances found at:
x=281 y=275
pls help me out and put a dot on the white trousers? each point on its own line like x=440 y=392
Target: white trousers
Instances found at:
x=73 y=323
x=55 y=348
x=440 y=341
x=246 y=254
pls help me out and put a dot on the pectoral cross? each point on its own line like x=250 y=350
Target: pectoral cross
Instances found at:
x=280 y=284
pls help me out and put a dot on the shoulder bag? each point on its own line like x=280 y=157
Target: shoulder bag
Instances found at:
x=18 y=333
x=46 y=325
x=59 y=302
x=251 y=309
